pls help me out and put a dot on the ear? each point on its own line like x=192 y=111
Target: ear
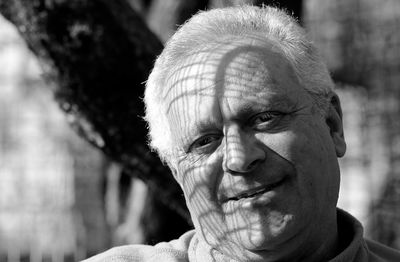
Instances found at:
x=335 y=124
x=175 y=174
x=173 y=169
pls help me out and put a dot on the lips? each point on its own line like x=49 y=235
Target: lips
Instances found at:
x=256 y=191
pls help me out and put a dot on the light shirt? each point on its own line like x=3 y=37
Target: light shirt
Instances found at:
x=189 y=248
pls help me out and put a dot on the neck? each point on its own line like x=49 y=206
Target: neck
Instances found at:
x=326 y=245
x=321 y=244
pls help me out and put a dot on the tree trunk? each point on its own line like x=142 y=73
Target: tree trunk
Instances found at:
x=98 y=53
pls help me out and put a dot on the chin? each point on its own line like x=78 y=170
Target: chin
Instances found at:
x=265 y=233
x=254 y=247
x=270 y=240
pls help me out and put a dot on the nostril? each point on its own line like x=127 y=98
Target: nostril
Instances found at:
x=253 y=164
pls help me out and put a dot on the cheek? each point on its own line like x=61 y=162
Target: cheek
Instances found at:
x=198 y=183
x=192 y=180
x=198 y=180
x=316 y=164
x=194 y=187
x=307 y=146
x=289 y=145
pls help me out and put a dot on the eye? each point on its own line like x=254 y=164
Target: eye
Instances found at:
x=265 y=119
x=205 y=143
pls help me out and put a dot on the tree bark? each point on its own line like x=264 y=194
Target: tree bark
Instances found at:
x=98 y=53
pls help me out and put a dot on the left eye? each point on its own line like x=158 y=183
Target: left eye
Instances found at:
x=264 y=119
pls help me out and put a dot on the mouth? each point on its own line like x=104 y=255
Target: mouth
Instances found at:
x=257 y=191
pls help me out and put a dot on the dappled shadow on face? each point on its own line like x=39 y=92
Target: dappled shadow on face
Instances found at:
x=221 y=161
x=232 y=224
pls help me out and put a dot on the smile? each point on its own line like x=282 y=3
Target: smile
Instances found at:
x=257 y=191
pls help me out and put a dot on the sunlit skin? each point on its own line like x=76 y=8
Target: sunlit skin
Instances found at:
x=255 y=158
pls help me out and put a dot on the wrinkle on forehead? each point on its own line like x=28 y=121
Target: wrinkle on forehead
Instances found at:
x=227 y=71
x=227 y=64
x=239 y=67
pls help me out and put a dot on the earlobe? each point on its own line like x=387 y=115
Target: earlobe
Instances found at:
x=335 y=124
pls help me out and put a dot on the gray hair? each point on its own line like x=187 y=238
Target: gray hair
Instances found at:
x=209 y=26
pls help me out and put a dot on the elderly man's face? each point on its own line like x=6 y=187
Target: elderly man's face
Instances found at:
x=257 y=162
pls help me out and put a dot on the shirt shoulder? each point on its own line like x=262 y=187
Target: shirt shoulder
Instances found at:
x=381 y=253
x=173 y=251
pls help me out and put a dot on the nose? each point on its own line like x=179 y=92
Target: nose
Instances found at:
x=243 y=153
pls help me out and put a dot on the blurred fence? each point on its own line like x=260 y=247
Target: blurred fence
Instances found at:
x=360 y=41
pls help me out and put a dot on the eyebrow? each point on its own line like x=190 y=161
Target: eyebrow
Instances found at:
x=204 y=126
x=277 y=102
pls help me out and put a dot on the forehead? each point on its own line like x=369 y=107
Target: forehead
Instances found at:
x=251 y=70
x=225 y=63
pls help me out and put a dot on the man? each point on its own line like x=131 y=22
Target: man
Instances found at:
x=244 y=113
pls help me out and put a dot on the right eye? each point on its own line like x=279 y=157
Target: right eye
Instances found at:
x=205 y=144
